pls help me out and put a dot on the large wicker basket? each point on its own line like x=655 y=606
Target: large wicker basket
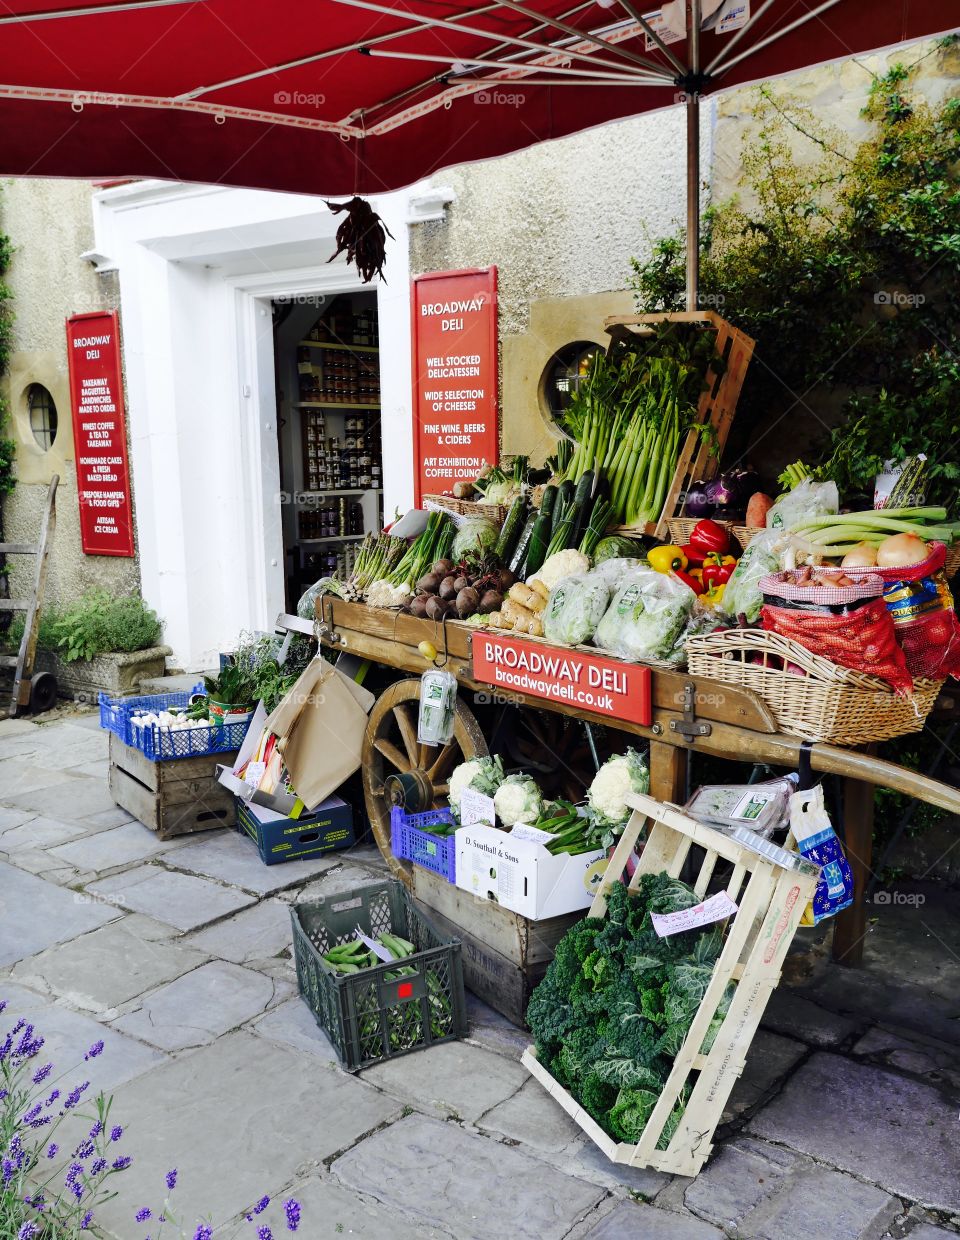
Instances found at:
x=497 y=513
x=744 y=534
x=821 y=701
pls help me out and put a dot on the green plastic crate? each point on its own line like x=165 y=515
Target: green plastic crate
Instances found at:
x=377 y=1013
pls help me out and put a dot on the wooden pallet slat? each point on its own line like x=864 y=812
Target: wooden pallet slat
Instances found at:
x=173 y=798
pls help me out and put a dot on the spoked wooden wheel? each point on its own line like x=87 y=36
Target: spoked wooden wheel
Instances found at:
x=555 y=750
x=397 y=769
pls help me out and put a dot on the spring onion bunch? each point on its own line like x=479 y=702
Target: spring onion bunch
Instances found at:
x=432 y=545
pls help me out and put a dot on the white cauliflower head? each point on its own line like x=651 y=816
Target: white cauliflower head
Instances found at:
x=485 y=774
x=619 y=775
x=518 y=799
x=561 y=564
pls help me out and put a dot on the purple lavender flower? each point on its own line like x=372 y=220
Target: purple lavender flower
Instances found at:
x=3 y=1005
x=86 y=1220
x=144 y=1214
x=292 y=1209
x=41 y=1074
x=203 y=1232
x=77 y=1190
x=85 y=1149
x=52 y=1149
x=28 y=1230
x=74 y=1096
x=264 y=1233
x=94 y=1050
x=7 y=1170
x=116 y=1133
x=98 y=1165
x=52 y=1099
x=32 y=1114
x=4 y=1094
x=172 y=1179
x=121 y=1164
x=261 y=1205
x=96 y=1130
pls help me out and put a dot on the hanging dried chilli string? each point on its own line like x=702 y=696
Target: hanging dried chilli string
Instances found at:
x=363 y=235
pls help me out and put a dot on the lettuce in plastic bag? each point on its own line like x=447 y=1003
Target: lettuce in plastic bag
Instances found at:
x=575 y=608
x=743 y=597
x=646 y=617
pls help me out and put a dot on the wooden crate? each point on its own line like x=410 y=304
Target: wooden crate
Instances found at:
x=771 y=898
x=504 y=955
x=171 y=798
x=718 y=403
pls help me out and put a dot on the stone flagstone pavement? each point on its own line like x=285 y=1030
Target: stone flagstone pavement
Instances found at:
x=177 y=955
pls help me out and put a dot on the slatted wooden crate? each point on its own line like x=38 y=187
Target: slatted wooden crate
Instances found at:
x=504 y=955
x=699 y=457
x=771 y=892
x=171 y=798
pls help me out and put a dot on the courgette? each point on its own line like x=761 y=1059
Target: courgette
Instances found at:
x=563 y=501
x=548 y=501
x=520 y=551
x=511 y=530
x=537 y=550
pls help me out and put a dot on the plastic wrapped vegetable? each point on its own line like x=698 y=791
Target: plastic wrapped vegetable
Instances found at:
x=518 y=799
x=609 y=811
x=575 y=608
x=807 y=500
x=484 y=774
x=475 y=537
x=612 y=571
x=742 y=596
x=646 y=617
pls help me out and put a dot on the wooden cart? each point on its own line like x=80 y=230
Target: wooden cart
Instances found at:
x=688 y=715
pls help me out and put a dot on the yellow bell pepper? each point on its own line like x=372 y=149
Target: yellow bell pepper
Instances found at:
x=666 y=559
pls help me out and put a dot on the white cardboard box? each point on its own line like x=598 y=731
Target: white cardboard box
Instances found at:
x=522 y=876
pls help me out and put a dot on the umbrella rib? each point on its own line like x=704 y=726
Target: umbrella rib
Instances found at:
x=735 y=39
x=648 y=29
x=627 y=77
x=723 y=64
x=91 y=10
x=522 y=81
x=542 y=49
x=650 y=65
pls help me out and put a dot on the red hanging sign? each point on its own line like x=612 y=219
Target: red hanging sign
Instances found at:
x=588 y=681
x=455 y=389
x=99 y=433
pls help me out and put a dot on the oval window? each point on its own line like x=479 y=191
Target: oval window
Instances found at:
x=43 y=415
x=564 y=373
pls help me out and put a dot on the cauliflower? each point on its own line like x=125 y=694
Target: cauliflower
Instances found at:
x=518 y=799
x=619 y=775
x=484 y=774
x=561 y=564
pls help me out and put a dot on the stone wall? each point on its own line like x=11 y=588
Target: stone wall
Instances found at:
x=50 y=226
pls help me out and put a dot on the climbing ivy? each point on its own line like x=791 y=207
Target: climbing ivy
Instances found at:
x=844 y=265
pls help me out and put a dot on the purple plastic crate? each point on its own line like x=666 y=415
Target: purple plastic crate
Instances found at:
x=410 y=842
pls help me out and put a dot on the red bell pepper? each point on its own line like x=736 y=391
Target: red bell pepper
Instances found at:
x=688 y=579
x=708 y=536
x=694 y=554
x=717 y=569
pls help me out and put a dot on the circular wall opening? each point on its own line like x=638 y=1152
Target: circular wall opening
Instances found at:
x=42 y=411
x=563 y=374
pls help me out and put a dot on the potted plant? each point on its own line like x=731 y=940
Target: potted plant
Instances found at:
x=230 y=695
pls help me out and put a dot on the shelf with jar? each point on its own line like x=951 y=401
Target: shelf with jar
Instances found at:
x=337 y=376
x=351 y=461
x=330 y=520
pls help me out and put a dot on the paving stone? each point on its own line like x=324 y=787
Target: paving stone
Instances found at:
x=482 y=1188
x=16 y=727
x=451 y=1079
x=243 y=1116
x=12 y=818
x=796 y=1017
x=258 y=933
x=102 y=971
x=927 y=1231
x=531 y=1117
x=68 y=1035
x=769 y=1060
x=343 y=877
x=78 y=799
x=816 y=1202
x=331 y=1212
x=293 y=1024
x=100 y=769
x=112 y=817
x=18 y=777
x=589 y=1162
x=70 y=755
x=911 y=1054
x=109 y=849
x=38 y=833
x=631 y=1221
x=885 y=1128
x=35 y=913
x=494 y=1031
x=735 y=1180
x=200 y=1006
x=179 y=899
x=232 y=858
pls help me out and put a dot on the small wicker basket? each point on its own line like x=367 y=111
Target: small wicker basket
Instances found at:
x=821 y=701
x=682 y=527
x=497 y=513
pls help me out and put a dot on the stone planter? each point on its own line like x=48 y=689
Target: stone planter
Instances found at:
x=116 y=674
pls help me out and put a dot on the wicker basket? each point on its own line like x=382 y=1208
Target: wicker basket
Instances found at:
x=744 y=533
x=682 y=527
x=497 y=513
x=824 y=702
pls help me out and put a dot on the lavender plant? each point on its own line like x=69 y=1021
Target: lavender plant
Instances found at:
x=47 y=1191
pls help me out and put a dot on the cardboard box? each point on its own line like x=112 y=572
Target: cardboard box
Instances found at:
x=279 y=838
x=520 y=875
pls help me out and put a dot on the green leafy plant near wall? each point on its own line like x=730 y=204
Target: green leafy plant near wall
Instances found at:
x=96 y=623
x=846 y=270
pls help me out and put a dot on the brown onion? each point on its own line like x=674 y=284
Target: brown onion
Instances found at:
x=863 y=555
x=900 y=550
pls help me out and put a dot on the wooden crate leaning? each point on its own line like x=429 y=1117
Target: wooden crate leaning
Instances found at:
x=771 y=897
x=700 y=456
x=172 y=798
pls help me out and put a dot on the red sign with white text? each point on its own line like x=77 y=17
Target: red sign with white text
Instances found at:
x=455 y=391
x=588 y=681
x=99 y=433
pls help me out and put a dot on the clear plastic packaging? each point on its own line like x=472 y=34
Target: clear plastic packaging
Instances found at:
x=763 y=807
x=438 y=700
x=808 y=500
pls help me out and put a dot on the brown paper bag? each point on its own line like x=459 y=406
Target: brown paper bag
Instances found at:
x=321 y=723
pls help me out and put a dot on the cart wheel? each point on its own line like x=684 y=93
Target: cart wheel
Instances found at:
x=43 y=692
x=553 y=749
x=397 y=769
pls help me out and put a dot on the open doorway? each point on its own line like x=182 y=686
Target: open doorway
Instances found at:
x=327 y=351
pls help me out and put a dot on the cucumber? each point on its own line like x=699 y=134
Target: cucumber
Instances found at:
x=511 y=530
x=548 y=502
x=537 y=550
x=520 y=551
x=563 y=501
x=584 y=488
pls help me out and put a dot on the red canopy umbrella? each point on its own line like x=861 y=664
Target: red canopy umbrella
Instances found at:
x=363 y=96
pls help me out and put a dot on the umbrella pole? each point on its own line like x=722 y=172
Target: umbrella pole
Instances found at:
x=692 y=104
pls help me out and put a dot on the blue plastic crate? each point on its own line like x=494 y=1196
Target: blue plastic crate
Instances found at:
x=165 y=744
x=410 y=842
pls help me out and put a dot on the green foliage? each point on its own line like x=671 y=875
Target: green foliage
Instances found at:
x=232 y=686
x=844 y=267
x=267 y=680
x=617 y=1002
x=98 y=623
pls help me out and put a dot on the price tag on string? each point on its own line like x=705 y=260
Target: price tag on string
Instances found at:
x=716 y=908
